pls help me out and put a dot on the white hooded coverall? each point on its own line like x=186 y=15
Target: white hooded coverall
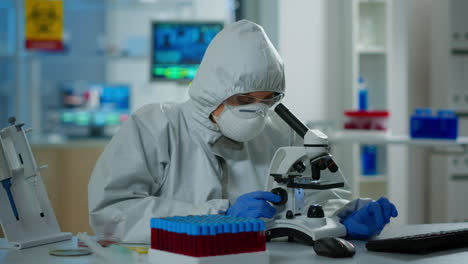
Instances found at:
x=171 y=159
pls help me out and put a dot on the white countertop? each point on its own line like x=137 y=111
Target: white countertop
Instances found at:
x=280 y=252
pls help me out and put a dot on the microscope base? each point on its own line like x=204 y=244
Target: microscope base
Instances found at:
x=305 y=230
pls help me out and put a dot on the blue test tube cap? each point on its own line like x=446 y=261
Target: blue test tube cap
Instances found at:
x=212 y=229
x=207 y=224
x=423 y=111
x=227 y=228
x=153 y=223
x=195 y=230
x=235 y=228
x=242 y=227
x=360 y=79
x=249 y=226
x=204 y=230
x=447 y=113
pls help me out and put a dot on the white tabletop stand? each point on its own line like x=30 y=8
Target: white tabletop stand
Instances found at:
x=35 y=222
x=31 y=229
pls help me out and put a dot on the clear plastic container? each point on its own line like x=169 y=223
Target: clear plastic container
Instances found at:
x=366 y=120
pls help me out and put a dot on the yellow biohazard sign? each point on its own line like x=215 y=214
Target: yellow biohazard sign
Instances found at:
x=44 y=24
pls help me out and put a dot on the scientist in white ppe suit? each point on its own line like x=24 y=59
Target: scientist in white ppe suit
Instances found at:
x=208 y=155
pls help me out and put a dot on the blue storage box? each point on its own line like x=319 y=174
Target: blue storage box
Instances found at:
x=443 y=125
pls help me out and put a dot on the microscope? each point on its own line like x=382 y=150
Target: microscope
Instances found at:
x=27 y=217
x=299 y=168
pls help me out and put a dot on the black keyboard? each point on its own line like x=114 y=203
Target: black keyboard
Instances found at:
x=421 y=244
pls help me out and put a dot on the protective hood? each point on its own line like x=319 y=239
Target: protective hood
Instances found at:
x=240 y=59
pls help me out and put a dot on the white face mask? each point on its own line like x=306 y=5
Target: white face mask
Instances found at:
x=242 y=123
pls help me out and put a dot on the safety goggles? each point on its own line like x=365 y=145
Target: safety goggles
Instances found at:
x=245 y=99
x=247 y=107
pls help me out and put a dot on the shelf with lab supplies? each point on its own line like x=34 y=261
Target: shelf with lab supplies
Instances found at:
x=372 y=24
x=382 y=138
x=89 y=109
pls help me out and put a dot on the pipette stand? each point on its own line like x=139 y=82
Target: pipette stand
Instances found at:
x=34 y=223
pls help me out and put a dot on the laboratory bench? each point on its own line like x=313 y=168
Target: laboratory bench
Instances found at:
x=281 y=252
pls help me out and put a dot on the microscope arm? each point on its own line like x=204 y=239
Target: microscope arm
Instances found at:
x=312 y=137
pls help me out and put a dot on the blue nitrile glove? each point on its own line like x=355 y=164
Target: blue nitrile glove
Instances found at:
x=370 y=219
x=255 y=205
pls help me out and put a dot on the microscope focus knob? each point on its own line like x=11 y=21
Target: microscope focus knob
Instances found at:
x=289 y=214
x=281 y=193
x=332 y=166
x=315 y=211
x=299 y=166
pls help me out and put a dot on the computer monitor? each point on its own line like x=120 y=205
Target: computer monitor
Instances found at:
x=93 y=107
x=178 y=48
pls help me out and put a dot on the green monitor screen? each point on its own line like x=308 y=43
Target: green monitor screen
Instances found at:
x=178 y=48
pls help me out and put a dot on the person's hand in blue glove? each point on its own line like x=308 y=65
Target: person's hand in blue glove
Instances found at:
x=370 y=219
x=254 y=205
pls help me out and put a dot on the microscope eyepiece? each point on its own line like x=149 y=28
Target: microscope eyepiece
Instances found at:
x=291 y=120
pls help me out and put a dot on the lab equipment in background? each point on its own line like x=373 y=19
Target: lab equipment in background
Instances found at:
x=33 y=220
x=93 y=109
x=288 y=168
x=366 y=120
x=178 y=48
x=369 y=160
x=425 y=124
x=363 y=94
x=208 y=239
x=368 y=152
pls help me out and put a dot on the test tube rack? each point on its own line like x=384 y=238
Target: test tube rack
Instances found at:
x=207 y=239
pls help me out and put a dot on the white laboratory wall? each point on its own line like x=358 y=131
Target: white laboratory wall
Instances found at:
x=135 y=21
x=268 y=18
x=419 y=21
x=302 y=45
